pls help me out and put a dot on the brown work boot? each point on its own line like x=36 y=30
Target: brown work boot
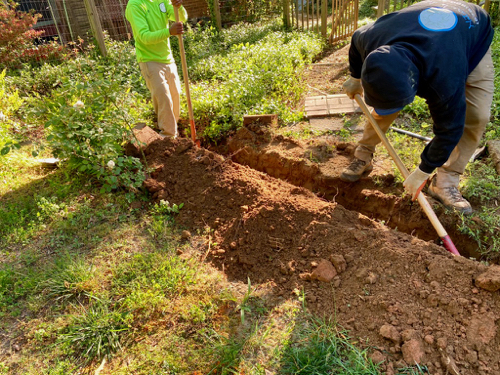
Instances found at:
x=357 y=169
x=450 y=196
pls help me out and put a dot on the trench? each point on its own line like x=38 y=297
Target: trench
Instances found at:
x=379 y=200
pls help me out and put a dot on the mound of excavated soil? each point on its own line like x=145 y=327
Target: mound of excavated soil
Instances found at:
x=408 y=299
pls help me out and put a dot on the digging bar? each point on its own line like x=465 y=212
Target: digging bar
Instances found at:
x=447 y=242
x=186 y=81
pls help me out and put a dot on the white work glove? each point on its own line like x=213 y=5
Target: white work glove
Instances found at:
x=352 y=87
x=416 y=182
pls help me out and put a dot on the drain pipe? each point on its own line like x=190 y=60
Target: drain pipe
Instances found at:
x=414 y=135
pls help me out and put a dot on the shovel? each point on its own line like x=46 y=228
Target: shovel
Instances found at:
x=447 y=242
x=186 y=81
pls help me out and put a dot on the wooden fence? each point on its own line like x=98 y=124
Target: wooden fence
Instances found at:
x=333 y=19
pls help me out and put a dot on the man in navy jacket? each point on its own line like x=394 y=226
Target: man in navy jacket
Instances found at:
x=440 y=51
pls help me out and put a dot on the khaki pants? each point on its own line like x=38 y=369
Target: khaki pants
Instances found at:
x=163 y=82
x=479 y=96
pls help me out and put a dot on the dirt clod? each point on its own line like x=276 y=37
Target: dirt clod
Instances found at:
x=489 y=280
x=413 y=352
x=324 y=272
x=389 y=332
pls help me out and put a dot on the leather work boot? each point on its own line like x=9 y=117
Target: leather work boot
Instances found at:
x=450 y=196
x=357 y=169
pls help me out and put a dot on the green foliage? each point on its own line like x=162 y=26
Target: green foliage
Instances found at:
x=483 y=182
x=493 y=129
x=418 y=108
x=96 y=333
x=88 y=122
x=320 y=349
x=148 y=279
x=15 y=284
x=70 y=280
x=366 y=9
x=485 y=234
x=251 y=77
x=10 y=102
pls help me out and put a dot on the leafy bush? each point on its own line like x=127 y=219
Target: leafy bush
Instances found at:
x=251 y=78
x=19 y=43
x=10 y=102
x=89 y=118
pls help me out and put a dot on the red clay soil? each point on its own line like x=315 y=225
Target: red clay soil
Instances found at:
x=409 y=300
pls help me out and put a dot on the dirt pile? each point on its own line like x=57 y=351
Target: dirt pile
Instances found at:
x=408 y=299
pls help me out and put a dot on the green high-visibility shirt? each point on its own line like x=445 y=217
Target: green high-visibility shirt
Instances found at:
x=150 y=25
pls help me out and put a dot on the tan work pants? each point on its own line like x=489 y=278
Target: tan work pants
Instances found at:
x=164 y=84
x=479 y=96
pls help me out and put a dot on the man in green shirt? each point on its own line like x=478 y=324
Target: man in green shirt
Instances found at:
x=150 y=25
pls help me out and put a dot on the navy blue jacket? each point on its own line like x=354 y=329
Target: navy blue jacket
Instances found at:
x=445 y=39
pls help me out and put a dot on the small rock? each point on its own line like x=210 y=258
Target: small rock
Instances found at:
x=429 y=339
x=413 y=351
x=349 y=258
x=324 y=272
x=162 y=194
x=489 y=280
x=305 y=276
x=390 y=332
x=16 y=347
x=441 y=343
x=409 y=334
x=371 y=278
x=336 y=282
x=339 y=262
x=482 y=329
x=314 y=264
x=185 y=235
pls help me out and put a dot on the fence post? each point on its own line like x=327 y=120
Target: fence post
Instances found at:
x=218 y=19
x=380 y=8
x=286 y=13
x=95 y=24
x=324 y=15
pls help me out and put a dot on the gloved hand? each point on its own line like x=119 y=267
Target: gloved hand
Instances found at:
x=352 y=87
x=415 y=182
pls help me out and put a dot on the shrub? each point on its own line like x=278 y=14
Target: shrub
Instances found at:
x=89 y=119
x=247 y=78
x=19 y=43
x=10 y=102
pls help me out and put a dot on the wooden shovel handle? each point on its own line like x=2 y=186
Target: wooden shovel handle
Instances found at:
x=421 y=197
x=186 y=79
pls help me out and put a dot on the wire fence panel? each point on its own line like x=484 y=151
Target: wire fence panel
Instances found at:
x=112 y=18
x=235 y=11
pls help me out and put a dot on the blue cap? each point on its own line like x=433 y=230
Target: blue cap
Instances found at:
x=386 y=112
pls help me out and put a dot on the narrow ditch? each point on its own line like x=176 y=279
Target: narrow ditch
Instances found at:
x=374 y=200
